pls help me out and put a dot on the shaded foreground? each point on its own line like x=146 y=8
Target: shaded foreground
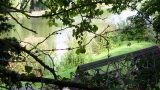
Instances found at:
x=136 y=70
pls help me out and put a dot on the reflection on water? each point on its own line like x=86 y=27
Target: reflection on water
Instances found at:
x=34 y=40
x=61 y=42
x=40 y=25
x=117 y=19
x=58 y=41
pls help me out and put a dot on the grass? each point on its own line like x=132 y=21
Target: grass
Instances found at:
x=68 y=72
x=122 y=49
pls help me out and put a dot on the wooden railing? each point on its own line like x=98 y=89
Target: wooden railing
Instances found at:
x=154 y=51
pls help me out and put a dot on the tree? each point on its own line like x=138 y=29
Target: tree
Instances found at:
x=65 y=11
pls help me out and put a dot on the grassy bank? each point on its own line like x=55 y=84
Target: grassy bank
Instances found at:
x=122 y=49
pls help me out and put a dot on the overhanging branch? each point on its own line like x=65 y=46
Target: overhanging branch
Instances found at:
x=18 y=78
x=18 y=47
x=21 y=24
x=39 y=61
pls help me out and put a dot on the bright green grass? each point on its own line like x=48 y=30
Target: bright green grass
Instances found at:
x=123 y=49
x=113 y=52
x=67 y=73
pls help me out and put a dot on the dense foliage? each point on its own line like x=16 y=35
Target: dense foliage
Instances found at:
x=147 y=18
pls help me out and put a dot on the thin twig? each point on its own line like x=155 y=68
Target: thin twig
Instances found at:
x=21 y=24
x=55 y=32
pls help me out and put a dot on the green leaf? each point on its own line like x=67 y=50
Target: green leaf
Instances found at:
x=81 y=50
x=95 y=28
x=28 y=69
x=52 y=22
x=78 y=51
x=129 y=44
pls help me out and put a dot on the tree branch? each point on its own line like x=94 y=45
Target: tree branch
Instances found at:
x=21 y=24
x=40 y=61
x=15 y=77
x=60 y=12
x=34 y=56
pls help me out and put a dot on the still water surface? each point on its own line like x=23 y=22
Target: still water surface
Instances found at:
x=61 y=40
x=40 y=25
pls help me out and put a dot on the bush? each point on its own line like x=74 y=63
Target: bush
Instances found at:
x=71 y=59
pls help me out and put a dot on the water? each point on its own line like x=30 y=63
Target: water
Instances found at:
x=57 y=41
x=121 y=18
x=61 y=42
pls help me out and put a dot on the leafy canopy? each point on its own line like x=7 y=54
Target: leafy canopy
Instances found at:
x=148 y=15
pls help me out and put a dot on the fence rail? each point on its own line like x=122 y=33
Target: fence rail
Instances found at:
x=154 y=50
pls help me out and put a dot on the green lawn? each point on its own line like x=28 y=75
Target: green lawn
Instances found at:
x=124 y=49
x=113 y=52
